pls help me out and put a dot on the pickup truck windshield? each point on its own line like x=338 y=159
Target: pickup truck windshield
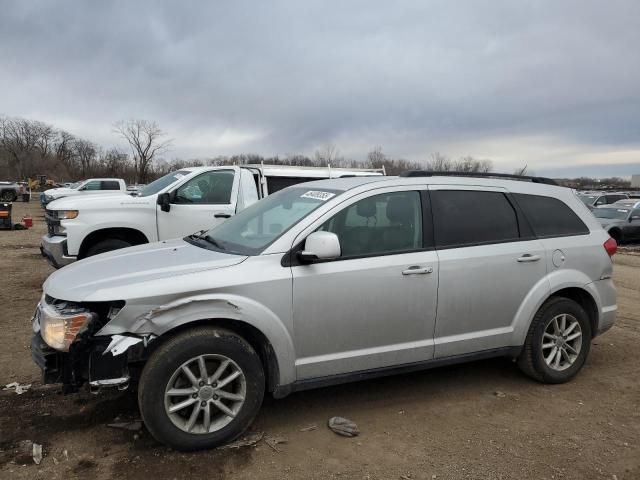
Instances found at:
x=612 y=213
x=252 y=230
x=163 y=182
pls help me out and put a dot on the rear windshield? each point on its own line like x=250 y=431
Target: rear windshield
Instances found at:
x=587 y=200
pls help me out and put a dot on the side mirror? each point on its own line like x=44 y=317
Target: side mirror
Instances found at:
x=164 y=200
x=320 y=246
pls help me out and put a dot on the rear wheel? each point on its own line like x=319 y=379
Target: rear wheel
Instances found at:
x=558 y=342
x=8 y=196
x=616 y=235
x=107 y=245
x=201 y=389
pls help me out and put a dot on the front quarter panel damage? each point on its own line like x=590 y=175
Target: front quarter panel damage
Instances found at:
x=159 y=320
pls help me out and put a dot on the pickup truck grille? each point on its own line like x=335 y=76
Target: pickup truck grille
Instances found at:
x=51 y=217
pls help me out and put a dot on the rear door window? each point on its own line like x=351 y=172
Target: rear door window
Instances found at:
x=471 y=217
x=550 y=217
x=110 y=185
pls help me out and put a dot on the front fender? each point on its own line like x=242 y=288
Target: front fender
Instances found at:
x=552 y=283
x=162 y=319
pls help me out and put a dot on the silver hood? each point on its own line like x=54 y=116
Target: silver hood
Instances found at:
x=95 y=278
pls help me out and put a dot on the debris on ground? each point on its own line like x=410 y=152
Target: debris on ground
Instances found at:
x=343 y=426
x=310 y=428
x=499 y=394
x=246 y=441
x=16 y=387
x=24 y=452
x=37 y=453
x=274 y=441
x=134 y=426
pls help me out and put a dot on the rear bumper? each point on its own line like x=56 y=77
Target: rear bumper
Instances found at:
x=606 y=293
x=54 y=249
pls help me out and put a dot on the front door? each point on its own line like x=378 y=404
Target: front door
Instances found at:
x=200 y=203
x=374 y=306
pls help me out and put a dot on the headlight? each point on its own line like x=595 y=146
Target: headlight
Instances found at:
x=67 y=214
x=60 y=328
x=48 y=198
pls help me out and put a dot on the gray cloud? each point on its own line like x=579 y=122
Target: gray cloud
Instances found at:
x=281 y=77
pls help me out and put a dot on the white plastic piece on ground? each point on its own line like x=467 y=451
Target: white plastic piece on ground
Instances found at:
x=16 y=387
x=37 y=453
x=120 y=344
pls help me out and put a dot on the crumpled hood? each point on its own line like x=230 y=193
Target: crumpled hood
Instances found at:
x=88 y=279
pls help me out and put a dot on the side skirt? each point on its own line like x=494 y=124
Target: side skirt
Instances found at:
x=282 y=391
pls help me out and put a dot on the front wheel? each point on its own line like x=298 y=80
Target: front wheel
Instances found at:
x=558 y=342
x=201 y=389
x=108 y=245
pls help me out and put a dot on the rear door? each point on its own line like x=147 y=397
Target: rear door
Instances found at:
x=634 y=224
x=489 y=262
x=200 y=203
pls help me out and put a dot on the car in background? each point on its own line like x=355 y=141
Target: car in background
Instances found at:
x=90 y=186
x=597 y=199
x=621 y=220
x=9 y=191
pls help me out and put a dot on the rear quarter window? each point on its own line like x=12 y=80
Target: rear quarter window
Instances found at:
x=550 y=217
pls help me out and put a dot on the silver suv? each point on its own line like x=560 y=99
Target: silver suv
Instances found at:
x=329 y=282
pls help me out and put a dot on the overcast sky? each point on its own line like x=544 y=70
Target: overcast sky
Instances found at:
x=552 y=84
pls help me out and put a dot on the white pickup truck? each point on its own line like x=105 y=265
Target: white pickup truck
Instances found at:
x=91 y=186
x=176 y=205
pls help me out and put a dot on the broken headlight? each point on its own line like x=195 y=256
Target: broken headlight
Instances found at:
x=61 y=324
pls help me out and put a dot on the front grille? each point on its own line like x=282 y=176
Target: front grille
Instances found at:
x=51 y=217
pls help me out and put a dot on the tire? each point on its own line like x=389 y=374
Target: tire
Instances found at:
x=616 y=235
x=8 y=196
x=162 y=373
x=533 y=360
x=107 y=245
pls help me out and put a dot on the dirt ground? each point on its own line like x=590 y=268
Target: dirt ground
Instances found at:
x=481 y=420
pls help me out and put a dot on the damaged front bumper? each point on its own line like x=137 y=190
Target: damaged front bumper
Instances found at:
x=91 y=365
x=99 y=361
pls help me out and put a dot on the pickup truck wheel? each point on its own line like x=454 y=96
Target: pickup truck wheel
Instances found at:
x=558 y=342
x=107 y=245
x=201 y=389
x=8 y=196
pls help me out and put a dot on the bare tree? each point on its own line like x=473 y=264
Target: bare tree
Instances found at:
x=329 y=154
x=439 y=163
x=86 y=154
x=145 y=139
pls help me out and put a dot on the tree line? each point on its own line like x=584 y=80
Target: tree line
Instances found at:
x=29 y=148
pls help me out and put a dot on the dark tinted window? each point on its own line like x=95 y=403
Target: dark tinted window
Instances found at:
x=275 y=184
x=382 y=224
x=110 y=185
x=615 y=198
x=550 y=217
x=467 y=217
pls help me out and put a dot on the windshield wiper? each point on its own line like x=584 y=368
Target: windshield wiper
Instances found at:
x=207 y=238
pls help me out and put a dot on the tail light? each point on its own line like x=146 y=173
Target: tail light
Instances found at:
x=611 y=246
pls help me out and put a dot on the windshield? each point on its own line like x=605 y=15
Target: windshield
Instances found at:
x=587 y=199
x=163 y=182
x=612 y=213
x=254 y=229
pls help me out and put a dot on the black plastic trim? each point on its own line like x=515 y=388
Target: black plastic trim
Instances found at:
x=307 y=384
x=430 y=173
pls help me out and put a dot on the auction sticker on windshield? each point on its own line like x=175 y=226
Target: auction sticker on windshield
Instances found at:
x=318 y=195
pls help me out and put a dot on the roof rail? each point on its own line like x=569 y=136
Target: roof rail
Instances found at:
x=430 y=173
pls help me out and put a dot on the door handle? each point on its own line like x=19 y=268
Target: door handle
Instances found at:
x=221 y=215
x=527 y=258
x=416 y=270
